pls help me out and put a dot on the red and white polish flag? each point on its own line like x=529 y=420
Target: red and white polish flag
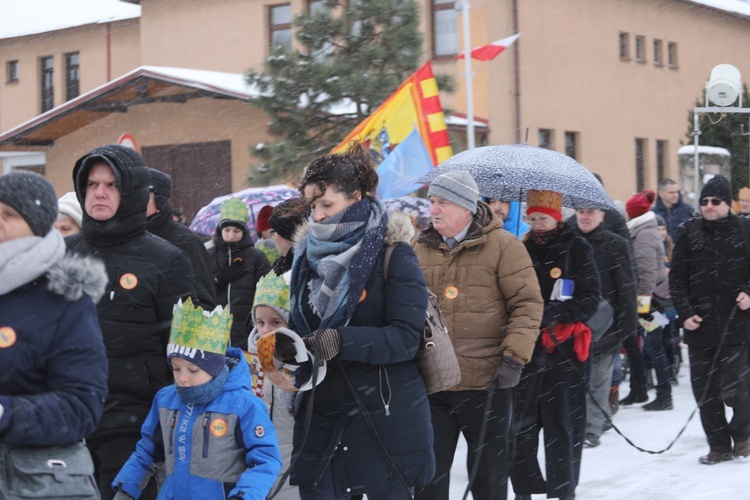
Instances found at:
x=491 y=51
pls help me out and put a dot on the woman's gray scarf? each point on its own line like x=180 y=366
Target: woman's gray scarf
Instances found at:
x=23 y=260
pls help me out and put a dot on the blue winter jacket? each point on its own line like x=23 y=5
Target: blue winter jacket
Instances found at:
x=674 y=215
x=53 y=367
x=224 y=449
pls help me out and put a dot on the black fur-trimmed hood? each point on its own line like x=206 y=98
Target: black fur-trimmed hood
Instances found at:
x=75 y=275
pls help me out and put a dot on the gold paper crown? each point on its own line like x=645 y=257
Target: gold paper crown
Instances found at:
x=234 y=209
x=198 y=329
x=272 y=290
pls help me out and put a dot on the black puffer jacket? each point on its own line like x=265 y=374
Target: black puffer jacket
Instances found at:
x=710 y=267
x=550 y=263
x=618 y=283
x=162 y=225
x=241 y=291
x=146 y=277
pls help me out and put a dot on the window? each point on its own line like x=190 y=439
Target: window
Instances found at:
x=672 y=54
x=625 y=46
x=444 y=28
x=640 y=48
x=315 y=6
x=545 y=138
x=12 y=71
x=661 y=159
x=658 y=53
x=640 y=164
x=72 y=76
x=47 y=66
x=280 y=26
x=571 y=144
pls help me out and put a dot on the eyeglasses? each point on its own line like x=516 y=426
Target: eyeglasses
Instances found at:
x=713 y=201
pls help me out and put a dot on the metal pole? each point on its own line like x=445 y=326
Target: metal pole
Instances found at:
x=696 y=134
x=467 y=74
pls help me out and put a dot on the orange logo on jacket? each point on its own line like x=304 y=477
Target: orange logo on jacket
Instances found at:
x=128 y=281
x=555 y=272
x=451 y=292
x=7 y=337
x=219 y=427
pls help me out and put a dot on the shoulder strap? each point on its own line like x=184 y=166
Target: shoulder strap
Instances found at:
x=387 y=260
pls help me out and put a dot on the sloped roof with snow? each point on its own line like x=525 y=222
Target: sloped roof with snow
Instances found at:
x=31 y=17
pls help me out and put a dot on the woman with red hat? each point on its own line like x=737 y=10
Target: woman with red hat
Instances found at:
x=552 y=391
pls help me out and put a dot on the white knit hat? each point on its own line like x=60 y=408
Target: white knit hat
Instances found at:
x=68 y=205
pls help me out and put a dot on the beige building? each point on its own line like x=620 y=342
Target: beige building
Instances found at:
x=609 y=82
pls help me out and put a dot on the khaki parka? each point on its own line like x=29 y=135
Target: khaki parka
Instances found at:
x=489 y=295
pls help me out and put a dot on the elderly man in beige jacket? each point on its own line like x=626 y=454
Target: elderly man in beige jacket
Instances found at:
x=490 y=297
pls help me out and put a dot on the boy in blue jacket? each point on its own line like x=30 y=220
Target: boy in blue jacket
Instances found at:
x=213 y=434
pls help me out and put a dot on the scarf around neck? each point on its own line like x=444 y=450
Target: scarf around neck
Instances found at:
x=543 y=238
x=23 y=260
x=335 y=260
x=204 y=393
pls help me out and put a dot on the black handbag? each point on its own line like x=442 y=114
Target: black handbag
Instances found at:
x=49 y=472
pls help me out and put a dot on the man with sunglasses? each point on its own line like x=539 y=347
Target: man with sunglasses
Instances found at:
x=710 y=287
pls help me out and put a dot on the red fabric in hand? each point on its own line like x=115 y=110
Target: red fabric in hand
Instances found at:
x=581 y=338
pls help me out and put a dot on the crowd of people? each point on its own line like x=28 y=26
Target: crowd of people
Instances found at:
x=285 y=367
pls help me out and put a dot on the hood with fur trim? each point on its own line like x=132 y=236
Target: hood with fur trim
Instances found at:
x=75 y=275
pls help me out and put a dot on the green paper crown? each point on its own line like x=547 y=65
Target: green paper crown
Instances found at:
x=198 y=329
x=272 y=290
x=234 y=209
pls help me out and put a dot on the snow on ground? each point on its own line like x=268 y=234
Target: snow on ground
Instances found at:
x=615 y=470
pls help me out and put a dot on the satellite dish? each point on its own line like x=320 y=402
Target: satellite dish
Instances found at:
x=724 y=86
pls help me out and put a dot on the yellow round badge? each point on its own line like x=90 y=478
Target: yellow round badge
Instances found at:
x=128 y=281
x=218 y=427
x=7 y=337
x=451 y=292
x=555 y=272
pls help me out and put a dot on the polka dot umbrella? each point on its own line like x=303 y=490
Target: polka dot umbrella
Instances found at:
x=508 y=171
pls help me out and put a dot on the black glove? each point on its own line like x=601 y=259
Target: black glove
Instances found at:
x=508 y=374
x=285 y=350
x=329 y=344
x=226 y=275
x=548 y=318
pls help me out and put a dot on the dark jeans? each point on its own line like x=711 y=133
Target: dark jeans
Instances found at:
x=636 y=365
x=662 y=366
x=109 y=455
x=729 y=385
x=455 y=412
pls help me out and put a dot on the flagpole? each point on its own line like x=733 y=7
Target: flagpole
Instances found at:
x=464 y=5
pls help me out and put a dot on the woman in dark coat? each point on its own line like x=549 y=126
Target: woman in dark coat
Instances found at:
x=368 y=330
x=552 y=391
x=237 y=267
x=53 y=367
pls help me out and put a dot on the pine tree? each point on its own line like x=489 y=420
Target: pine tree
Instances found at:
x=354 y=52
x=729 y=131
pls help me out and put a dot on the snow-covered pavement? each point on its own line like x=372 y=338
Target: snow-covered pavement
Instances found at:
x=616 y=470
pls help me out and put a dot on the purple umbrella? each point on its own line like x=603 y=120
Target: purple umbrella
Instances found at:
x=255 y=198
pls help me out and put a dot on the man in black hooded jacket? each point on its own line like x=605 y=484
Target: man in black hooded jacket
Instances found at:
x=160 y=222
x=146 y=277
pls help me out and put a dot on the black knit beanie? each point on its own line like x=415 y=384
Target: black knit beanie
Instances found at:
x=287 y=216
x=161 y=186
x=33 y=197
x=718 y=187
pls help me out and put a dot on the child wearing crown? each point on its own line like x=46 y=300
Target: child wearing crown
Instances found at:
x=270 y=313
x=213 y=434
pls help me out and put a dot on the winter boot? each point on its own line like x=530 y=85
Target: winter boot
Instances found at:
x=614 y=399
x=741 y=449
x=715 y=457
x=634 y=398
x=659 y=405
